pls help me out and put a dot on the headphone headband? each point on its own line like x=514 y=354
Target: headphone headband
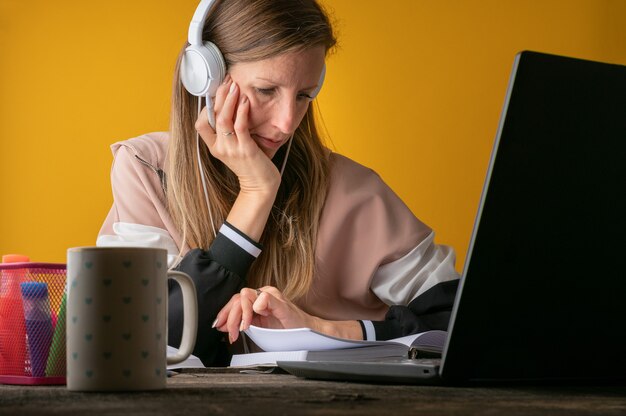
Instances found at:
x=196 y=26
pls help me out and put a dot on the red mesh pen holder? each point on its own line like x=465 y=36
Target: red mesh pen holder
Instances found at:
x=32 y=323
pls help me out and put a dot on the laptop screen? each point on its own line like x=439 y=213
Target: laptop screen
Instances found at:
x=543 y=292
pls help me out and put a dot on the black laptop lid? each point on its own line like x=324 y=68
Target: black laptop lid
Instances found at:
x=543 y=292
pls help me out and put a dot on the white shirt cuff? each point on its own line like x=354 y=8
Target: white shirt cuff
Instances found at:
x=238 y=239
x=370 y=332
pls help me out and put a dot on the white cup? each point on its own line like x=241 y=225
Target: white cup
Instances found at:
x=117 y=318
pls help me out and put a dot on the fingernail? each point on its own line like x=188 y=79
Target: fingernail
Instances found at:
x=244 y=100
x=230 y=338
x=232 y=88
x=215 y=323
x=241 y=326
x=226 y=79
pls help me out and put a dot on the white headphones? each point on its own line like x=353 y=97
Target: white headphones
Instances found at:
x=203 y=67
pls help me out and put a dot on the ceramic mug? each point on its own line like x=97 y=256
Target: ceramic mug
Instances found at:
x=117 y=318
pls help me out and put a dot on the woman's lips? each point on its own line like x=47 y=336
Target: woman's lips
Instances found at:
x=267 y=143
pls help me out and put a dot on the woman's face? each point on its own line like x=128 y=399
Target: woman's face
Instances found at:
x=279 y=90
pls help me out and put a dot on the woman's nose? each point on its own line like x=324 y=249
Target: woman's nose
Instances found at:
x=285 y=116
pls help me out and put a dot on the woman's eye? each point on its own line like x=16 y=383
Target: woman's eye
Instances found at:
x=268 y=92
x=265 y=91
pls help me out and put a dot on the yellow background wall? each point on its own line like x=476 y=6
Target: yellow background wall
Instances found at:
x=414 y=91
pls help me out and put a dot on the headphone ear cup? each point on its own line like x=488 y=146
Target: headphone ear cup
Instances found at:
x=319 y=83
x=217 y=68
x=202 y=69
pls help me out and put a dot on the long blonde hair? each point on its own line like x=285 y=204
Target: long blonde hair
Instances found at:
x=245 y=31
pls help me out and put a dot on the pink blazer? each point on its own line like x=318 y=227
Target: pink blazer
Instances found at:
x=371 y=252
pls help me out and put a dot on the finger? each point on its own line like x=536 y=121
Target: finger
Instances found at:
x=260 y=305
x=267 y=304
x=221 y=93
x=263 y=307
x=234 y=321
x=222 y=315
x=273 y=291
x=241 y=120
x=248 y=296
x=224 y=121
x=204 y=129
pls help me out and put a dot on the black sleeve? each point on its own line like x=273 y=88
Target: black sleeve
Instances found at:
x=218 y=274
x=430 y=310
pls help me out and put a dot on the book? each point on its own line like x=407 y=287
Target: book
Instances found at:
x=191 y=362
x=305 y=344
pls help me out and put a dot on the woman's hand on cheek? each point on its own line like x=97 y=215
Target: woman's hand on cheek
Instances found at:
x=231 y=142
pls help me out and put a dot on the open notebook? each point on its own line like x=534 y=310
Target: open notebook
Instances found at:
x=191 y=362
x=302 y=344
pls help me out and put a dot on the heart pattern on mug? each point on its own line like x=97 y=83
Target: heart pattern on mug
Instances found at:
x=107 y=355
x=88 y=264
x=145 y=282
x=88 y=337
x=145 y=318
x=144 y=354
x=127 y=263
x=126 y=373
x=106 y=318
x=107 y=282
x=127 y=299
x=126 y=336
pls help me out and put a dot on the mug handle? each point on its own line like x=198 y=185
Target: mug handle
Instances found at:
x=190 y=314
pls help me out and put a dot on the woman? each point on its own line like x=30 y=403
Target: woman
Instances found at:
x=277 y=230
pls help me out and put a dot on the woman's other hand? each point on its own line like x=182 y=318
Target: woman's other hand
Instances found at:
x=268 y=308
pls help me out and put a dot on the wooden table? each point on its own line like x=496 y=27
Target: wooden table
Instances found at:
x=225 y=392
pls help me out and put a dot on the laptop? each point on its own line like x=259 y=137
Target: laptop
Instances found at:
x=542 y=295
